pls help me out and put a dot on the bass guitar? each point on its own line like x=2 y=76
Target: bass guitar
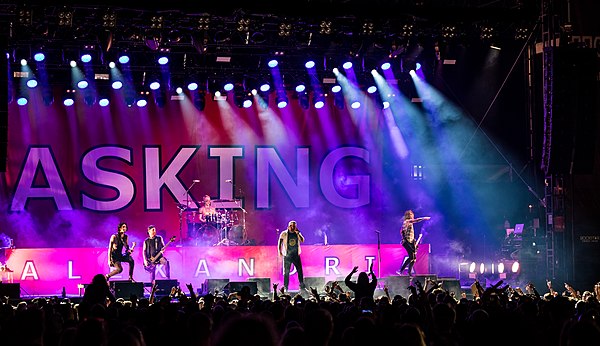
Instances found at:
x=152 y=261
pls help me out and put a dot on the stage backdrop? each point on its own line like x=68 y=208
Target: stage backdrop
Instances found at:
x=75 y=172
x=46 y=271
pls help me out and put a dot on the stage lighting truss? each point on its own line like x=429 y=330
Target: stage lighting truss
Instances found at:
x=233 y=44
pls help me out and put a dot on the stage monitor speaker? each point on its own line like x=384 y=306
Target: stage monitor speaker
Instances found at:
x=214 y=286
x=126 y=289
x=263 y=285
x=163 y=287
x=317 y=282
x=10 y=290
x=398 y=285
x=451 y=285
x=236 y=286
x=342 y=284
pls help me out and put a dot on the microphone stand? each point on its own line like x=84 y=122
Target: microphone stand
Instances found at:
x=187 y=204
x=378 y=256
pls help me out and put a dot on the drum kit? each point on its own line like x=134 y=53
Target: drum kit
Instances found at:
x=224 y=227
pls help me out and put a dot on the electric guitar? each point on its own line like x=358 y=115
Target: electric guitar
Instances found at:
x=151 y=262
x=418 y=242
x=128 y=252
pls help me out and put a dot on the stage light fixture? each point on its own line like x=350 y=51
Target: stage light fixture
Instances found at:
x=68 y=97
x=192 y=86
x=318 y=100
x=25 y=16
x=243 y=25
x=281 y=99
x=104 y=98
x=285 y=29
x=228 y=86
x=163 y=58
x=86 y=53
x=156 y=22
x=265 y=87
x=124 y=58
x=117 y=84
x=338 y=97
x=487 y=32
x=521 y=33
x=218 y=96
x=203 y=23
x=83 y=84
x=39 y=56
x=368 y=28
x=247 y=103
x=65 y=17
x=109 y=19
x=142 y=99
x=325 y=27
x=22 y=97
x=32 y=82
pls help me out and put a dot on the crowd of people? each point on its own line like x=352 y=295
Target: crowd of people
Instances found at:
x=428 y=316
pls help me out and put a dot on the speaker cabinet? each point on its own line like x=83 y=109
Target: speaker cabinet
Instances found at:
x=263 y=285
x=214 y=286
x=398 y=285
x=12 y=290
x=126 y=289
x=574 y=111
x=163 y=287
x=451 y=285
x=342 y=284
x=317 y=282
x=236 y=286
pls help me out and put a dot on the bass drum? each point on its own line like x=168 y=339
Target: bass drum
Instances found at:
x=208 y=235
x=237 y=234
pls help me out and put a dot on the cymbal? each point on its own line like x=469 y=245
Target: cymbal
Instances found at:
x=185 y=208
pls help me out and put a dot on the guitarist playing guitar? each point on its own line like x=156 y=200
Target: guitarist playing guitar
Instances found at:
x=120 y=251
x=409 y=242
x=154 y=248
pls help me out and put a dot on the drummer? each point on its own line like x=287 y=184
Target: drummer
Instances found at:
x=207 y=212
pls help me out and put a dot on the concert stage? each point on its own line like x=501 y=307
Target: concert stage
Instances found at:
x=45 y=271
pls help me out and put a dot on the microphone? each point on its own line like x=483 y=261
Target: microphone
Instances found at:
x=376 y=231
x=196 y=180
x=228 y=181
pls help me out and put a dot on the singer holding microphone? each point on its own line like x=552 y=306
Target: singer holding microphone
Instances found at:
x=289 y=248
x=408 y=240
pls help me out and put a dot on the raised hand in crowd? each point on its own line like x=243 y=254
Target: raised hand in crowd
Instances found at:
x=192 y=293
x=315 y=293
